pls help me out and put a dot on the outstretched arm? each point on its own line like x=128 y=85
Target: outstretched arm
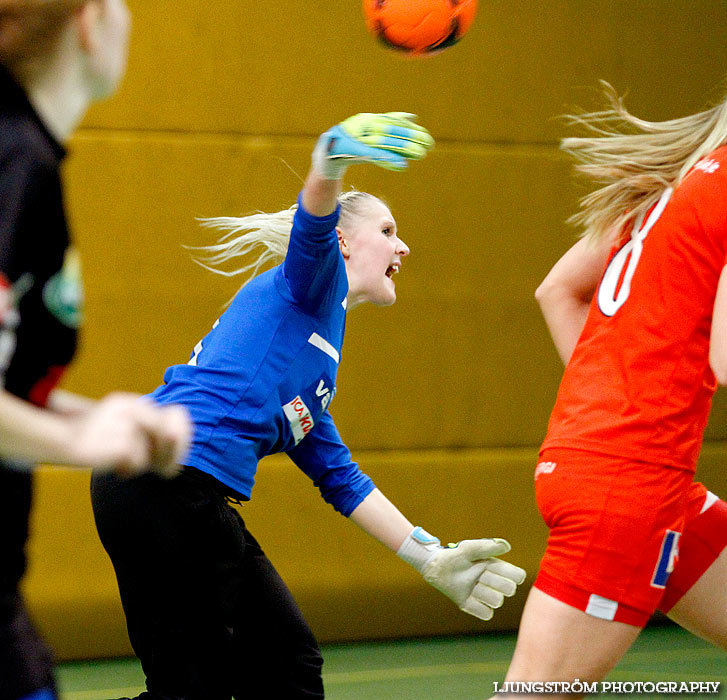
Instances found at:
x=381 y=519
x=68 y=403
x=467 y=572
x=119 y=433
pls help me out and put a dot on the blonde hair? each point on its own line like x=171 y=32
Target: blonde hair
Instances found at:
x=265 y=236
x=635 y=160
x=29 y=30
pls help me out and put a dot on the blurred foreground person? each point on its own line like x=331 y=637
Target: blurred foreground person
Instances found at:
x=56 y=58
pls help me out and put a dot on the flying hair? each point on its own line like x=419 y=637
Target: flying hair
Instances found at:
x=258 y=240
x=634 y=160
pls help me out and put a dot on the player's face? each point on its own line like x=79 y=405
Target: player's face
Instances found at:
x=373 y=253
x=107 y=60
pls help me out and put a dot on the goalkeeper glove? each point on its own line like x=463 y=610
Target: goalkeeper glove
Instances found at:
x=387 y=140
x=466 y=572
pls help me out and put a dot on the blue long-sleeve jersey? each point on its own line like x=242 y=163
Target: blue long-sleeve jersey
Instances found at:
x=261 y=380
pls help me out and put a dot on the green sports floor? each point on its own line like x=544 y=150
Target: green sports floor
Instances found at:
x=461 y=668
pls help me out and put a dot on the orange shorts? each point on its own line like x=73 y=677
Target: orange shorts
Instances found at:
x=617 y=531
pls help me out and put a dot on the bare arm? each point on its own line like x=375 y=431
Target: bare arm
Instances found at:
x=565 y=294
x=381 y=519
x=718 y=338
x=32 y=434
x=469 y=573
x=320 y=195
x=69 y=404
x=119 y=433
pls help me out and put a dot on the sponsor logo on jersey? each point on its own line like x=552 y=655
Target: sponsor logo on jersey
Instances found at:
x=545 y=468
x=63 y=293
x=10 y=296
x=708 y=165
x=324 y=393
x=299 y=417
x=7 y=298
x=667 y=559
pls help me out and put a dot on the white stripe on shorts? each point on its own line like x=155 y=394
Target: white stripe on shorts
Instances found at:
x=709 y=501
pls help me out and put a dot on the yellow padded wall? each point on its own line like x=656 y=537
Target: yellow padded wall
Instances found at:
x=444 y=397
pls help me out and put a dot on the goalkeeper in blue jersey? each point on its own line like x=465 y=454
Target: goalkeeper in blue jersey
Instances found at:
x=208 y=615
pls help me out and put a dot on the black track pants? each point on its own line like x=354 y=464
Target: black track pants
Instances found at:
x=207 y=614
x=26 y=663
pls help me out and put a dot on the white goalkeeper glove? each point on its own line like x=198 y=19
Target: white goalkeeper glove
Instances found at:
x=466 y=572
x=387 y=140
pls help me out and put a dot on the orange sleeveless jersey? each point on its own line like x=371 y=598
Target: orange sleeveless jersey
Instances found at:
x=639 y=384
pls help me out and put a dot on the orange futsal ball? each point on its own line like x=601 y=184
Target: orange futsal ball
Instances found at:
x=419 y=27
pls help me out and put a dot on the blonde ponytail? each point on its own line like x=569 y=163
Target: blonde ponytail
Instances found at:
x=263 y=236
x=266 y=234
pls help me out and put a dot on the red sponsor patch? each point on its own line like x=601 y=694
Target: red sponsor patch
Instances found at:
x=299 y=417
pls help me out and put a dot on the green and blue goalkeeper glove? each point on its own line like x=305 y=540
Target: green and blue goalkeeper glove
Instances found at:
x=387 y=140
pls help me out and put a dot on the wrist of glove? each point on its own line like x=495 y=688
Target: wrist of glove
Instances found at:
x=467 y=572
x=387 y=140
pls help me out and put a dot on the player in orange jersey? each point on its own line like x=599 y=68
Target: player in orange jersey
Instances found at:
x=638 y=312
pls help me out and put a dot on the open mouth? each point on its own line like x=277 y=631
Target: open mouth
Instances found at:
x=392 y=270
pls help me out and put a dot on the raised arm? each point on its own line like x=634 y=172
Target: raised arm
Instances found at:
x=387 y=140
x=565 y=294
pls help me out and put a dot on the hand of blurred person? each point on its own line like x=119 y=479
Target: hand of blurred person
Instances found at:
x=130 y=435
x=169 y=431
